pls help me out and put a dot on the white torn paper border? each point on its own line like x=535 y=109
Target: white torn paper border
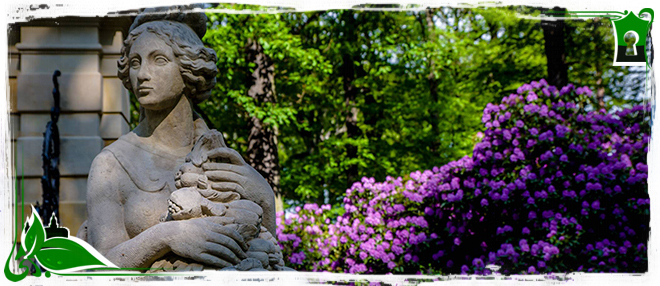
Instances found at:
x=18 y=11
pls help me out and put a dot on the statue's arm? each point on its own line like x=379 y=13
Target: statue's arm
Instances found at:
x=106 y=229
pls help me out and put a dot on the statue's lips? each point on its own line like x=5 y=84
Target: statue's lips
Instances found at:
x=144 y=90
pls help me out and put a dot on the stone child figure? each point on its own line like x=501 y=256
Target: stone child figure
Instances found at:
x=194 y=198
x=166 y=66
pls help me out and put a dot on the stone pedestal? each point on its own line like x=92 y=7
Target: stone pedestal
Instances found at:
x=94 y=104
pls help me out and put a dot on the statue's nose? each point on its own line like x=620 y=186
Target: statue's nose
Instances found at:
x=143 y=74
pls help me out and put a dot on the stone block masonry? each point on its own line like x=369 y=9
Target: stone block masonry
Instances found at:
x=95 y=108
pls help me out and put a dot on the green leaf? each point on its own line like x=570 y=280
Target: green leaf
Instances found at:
x=34 y=237
x=67 y=254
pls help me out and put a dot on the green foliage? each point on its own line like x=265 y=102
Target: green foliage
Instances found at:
x=418 y=89
x=385 y=56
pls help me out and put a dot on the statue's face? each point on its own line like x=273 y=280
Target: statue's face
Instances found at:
x=154 y=73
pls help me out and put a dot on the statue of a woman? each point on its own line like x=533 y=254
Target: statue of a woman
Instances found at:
x=166 y=66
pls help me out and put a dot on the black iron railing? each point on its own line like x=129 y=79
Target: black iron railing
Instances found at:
x=50 y=181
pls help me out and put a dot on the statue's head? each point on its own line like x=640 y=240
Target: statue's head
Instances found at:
x=164 y=58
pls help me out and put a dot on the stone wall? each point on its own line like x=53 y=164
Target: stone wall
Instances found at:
x=94 y=104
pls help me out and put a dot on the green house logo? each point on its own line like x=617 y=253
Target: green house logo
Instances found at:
x=630 y=38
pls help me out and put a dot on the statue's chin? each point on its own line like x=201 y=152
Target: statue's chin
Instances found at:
x=157 y=102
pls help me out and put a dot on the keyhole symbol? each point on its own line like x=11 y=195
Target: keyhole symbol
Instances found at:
x=631 y=38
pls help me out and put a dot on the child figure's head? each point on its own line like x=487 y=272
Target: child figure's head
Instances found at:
x=185 y=203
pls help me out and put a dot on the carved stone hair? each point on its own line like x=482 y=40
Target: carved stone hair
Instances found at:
x=196 y=62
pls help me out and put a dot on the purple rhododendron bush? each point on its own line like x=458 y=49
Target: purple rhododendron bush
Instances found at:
x=551 y=187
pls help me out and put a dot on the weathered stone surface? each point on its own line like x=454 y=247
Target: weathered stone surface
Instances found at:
x=249 y=264
x=72 y=189
x=72 y=215
x=14 y=125
x=72 y=124
x=79 y=91
x=112 y=42
x=113 y=126
x=115 y=97
x=262 y=257
x=64 y=36
x=261 y=245
x=76 y=154
x=109 y=65
x=12 y=63
x=12 y=85
x=66 y=63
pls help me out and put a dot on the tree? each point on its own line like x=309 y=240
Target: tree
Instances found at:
x=375 y=93
x=262 y=141
x=256 y=53
x=555 y=51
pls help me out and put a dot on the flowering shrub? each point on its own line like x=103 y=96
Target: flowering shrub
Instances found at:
x=551 y=187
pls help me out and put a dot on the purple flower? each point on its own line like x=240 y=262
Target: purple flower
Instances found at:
x=477 y=262
x=641 y=247
x=438 y=255
x=391 y=265
x=531 y=143
x=507 y=135
x=531 y=97
x=532 y=215
x=464 y=269
x=531 y=269
x=534 y=132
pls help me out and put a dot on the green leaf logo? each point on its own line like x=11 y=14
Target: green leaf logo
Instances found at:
x=58 y=254
x=62 y=254
x=34 y=237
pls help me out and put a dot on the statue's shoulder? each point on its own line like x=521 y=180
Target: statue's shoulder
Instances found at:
x=107 y=163
x=118 y=153
x=140 y=164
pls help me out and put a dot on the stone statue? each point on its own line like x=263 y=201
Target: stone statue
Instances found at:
x=194 y=198
x=132 y=198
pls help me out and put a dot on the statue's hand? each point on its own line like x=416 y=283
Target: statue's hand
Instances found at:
x=235 y=175
x=228 y=172
x=206 y=240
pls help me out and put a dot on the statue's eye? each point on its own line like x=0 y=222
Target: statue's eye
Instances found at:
x=160 y=60
x=135 y=63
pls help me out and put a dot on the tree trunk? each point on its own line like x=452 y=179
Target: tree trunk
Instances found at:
x=555 y=51
x=350 y=94
x=431 y=78
x=262 y=142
